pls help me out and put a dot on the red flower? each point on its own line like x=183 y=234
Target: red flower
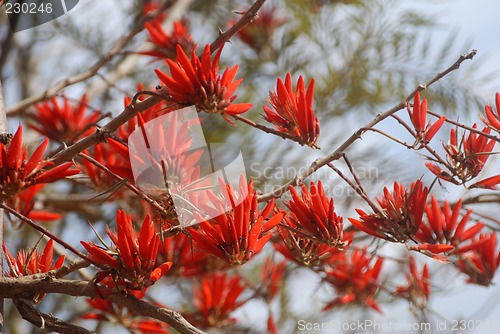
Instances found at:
x=418 y=116
x=444 y=225
x=492 y=120
x=241 y=232
x=165 y=44
x=64 y=123
x=466 y=157
x=399 y=216
x=293 y=112
x=17 y=174
x=32 y=262
x=480 y=259
x=132 y=262
x=24 y=203
x=151 y=6
x=216 y=298
x=271 y=275
x=417 y=289
x=355 y=279
x=314 y=214
x=197 y=82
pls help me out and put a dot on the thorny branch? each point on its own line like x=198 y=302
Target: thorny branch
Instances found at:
x=337 y=154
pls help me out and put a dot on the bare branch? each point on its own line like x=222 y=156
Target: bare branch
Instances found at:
x=46 y=321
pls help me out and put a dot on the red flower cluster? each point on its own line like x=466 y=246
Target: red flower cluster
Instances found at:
x=32 y=262
x=132 y=261
x=418 y=116
x=272 y=274
x=492 y=120
x=240 y=233
x=215 y=299
x=466 y=158
x=197 y=82
x=293 y=112
x=399 y=216
x=355 y=279
x=480 y=259
x=17 y=174
x=445 y=227
x=314 y=215
x=417 y=290
x=165 y=44
x=64 y=123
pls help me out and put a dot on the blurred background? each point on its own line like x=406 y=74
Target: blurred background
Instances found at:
x=365 y=56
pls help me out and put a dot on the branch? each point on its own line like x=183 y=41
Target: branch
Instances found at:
x=131 y=63
x=247 y=17
x=26 y=287
x=87 y=74
x=337 y=154
x=105 y=132
x=46 y=321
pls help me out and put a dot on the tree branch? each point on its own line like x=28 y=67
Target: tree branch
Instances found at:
x=337 y=154
x=26 y=287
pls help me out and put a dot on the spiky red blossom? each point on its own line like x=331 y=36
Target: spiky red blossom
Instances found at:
x=491 y=120
x=272 y=274
x=418 y=116
x=417 y=289
x=62 y=121
x=165 y=44
x=17 y=174
x=240 y=233
x=214 y=300
x=293 y=112
x=197 y=82
x=466 y=157
x=480 y=259
x=32 y=262
x=131 y=262
x=399 y=216
x=445 y=226
x=355 y=279
x=313 y=213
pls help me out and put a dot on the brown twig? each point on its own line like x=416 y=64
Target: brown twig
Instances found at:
x=46 y=321
x=44 y=231
x=337 y=154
